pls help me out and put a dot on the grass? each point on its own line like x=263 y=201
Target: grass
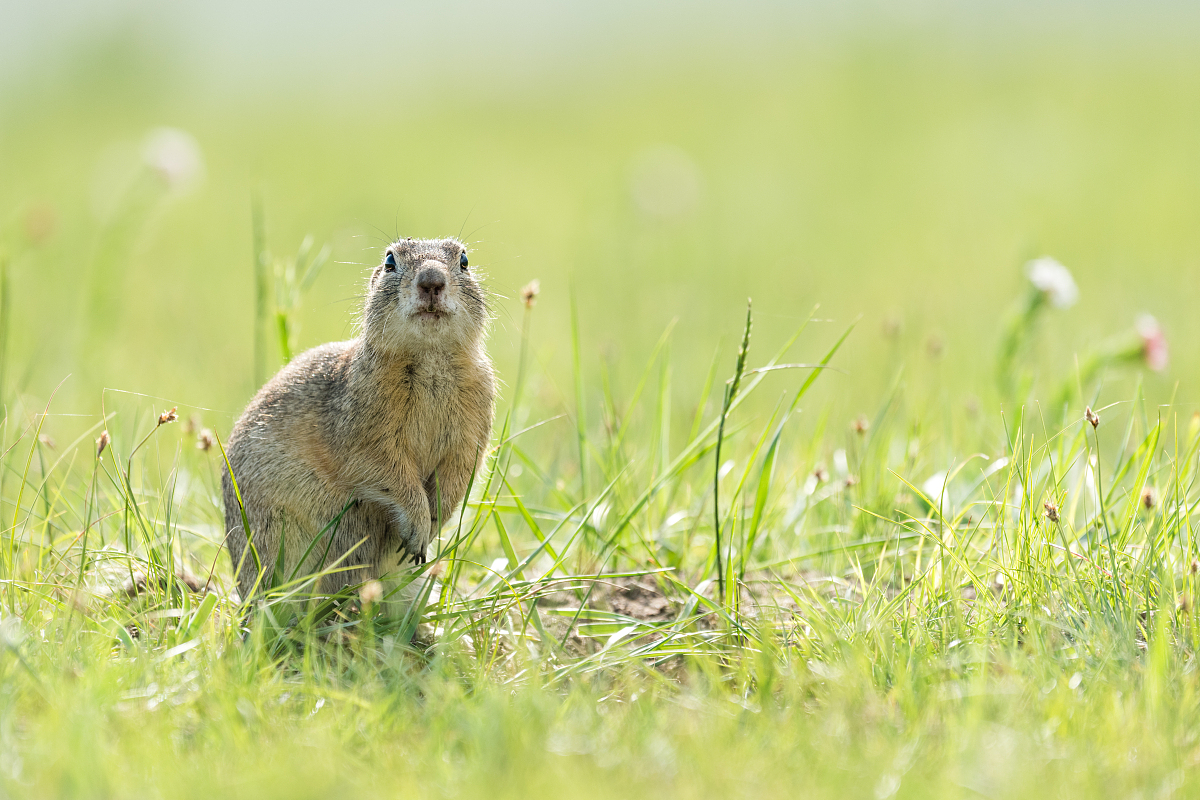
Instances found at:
x=692 y=565
x=856 y=632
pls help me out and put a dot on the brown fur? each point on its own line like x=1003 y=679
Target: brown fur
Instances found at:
x=391 y=420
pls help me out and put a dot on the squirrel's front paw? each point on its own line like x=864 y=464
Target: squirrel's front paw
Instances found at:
x=414 y=539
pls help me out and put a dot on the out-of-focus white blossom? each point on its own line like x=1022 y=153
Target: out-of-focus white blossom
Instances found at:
x=935 y=485
x=175 y=157
x=937 y=489
x=1052 y=278
x=1154 y=342
x=841 y=464
x=11 y=632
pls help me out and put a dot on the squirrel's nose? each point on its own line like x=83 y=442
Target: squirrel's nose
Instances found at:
x=430 y=283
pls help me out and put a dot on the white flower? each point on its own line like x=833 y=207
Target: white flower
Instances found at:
x=11 y=633
x=937 y=489
x=175 y=157
x=841 y=464
x=935 y=485
x=1052 y=278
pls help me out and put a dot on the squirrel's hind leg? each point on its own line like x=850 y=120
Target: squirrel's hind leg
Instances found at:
x=253 y=558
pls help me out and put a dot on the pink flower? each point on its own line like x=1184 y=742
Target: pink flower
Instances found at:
x=1154 y=343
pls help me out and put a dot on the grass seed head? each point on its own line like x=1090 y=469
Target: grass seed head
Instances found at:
x=892 y=327
x=47 y=441
x=205 y=440
x=1051 y=511
x=371 y=593
x=530 y=292
x=168 y=416
x=1092 y=417
x=861 y=424
x=102 y=442
x=1148 y=498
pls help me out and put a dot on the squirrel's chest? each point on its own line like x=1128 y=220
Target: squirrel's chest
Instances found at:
x=424 y=412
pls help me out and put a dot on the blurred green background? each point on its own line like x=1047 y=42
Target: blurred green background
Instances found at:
x=662 y=161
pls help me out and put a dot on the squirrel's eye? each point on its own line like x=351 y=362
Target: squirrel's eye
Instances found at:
x=389 y=263
x=462 y=261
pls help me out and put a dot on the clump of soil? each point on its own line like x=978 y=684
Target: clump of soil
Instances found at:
x=637 y=598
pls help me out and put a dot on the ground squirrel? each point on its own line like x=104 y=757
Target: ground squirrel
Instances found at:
x=383 y=426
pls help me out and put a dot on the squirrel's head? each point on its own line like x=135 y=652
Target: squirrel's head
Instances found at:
x=424 y=293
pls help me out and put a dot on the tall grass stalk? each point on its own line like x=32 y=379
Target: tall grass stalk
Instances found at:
x=580 y=398
x=731 y=390
x=5 y=321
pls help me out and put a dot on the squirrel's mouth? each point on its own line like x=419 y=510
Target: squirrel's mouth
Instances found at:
x=430 y=313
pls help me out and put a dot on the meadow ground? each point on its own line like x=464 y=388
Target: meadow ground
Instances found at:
x=921 y=572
